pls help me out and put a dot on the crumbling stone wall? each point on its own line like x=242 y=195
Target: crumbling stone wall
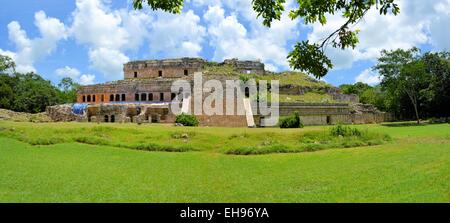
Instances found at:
x=170 y=68
x=246 y=66
x=63 y=113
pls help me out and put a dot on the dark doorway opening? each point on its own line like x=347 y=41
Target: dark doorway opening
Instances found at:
x=135 y=74
x=150 y=97
x=160 y=73
x=247 y=92
x=186 y=72
x=123 y=97
x=161 y=96
x=111 y=97
x=143 y=97
x=155 y=119
x=117 y=97
x=113 y=118
x=328 y=120
x=106 y=118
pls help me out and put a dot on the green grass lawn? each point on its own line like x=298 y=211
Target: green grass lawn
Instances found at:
x=413 y=167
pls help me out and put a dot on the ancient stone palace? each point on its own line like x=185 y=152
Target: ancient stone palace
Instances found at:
x=145 y=95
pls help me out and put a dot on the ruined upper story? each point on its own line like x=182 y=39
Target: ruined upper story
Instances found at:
x=183 y=67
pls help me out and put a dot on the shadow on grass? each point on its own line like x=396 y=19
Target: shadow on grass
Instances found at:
x=411 y=124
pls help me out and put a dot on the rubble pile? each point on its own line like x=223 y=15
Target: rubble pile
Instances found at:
x=8 y=115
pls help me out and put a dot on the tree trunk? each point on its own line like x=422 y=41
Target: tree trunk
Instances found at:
x=417 y=113
x=413 y=99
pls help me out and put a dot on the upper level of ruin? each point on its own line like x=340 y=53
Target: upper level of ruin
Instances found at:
x=182 y=67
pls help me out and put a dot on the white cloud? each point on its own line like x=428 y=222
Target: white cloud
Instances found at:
x=108 y=61
x=369 y=77
x=110 y=34
x=412 y=27
x=87 y=79
x=231 y=39
x=28 y=51
x=94 y=25
x=75 y=74
x=179 y=35
x=68 y=72
x=102 y=30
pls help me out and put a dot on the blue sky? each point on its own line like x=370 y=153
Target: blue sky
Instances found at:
x=89 y=40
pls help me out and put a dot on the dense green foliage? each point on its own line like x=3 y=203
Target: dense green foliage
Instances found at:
x=186 y=120
x=367 y=94
x=413 y=86
x=306 y=56
x=412 y=168
x=30 y=92
x=416 y=85
x=26 y=93
x=341 y=130
x=290 y=122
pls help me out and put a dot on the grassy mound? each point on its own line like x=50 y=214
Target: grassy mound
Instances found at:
x=154 y=137
x=335 y=137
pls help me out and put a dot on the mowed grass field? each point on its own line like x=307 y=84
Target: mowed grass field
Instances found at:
x=54 y=162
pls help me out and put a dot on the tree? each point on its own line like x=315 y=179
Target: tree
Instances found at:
x=68 y=90
x=404 y=73
x=357 y=88
x=306 y=56
x=7 y=64
x=438 y=66
x=33 y=94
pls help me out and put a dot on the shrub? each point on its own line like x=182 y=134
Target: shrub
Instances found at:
x=182 y=135
x=260 y=150
x=44 y=141
x=158 y=147
x=92 y=140
x=344 y=131
x=291 y=122
x=241 y=135
x=186 y=120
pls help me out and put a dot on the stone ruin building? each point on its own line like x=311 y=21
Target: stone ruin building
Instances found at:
x=144 y=96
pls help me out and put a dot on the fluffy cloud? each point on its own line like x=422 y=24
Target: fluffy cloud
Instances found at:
x=419 y=22
x=102 y=30
x=231 y=39
x=75 y=74
x=86 y=79
x=67 y=72
x=178 y=35
x=108 y=61
x=28 y=51
x=369 y=77
x=110 y=34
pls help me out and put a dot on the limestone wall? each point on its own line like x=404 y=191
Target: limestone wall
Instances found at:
x=170 y=68
x=246 y=66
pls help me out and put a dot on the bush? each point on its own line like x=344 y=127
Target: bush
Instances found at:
x=186 y=120
x=344 y=131
x=164 y=148
x=291 y=122
x=92 y=140
x=260 y=150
